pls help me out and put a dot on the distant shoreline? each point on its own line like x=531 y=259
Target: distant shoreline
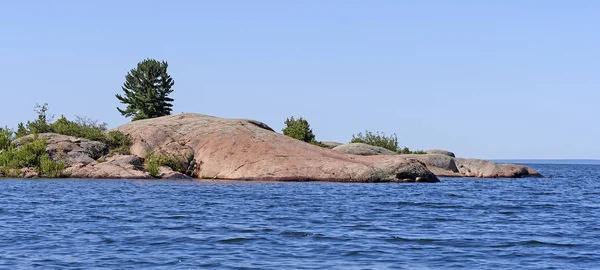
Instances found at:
x=550 y=161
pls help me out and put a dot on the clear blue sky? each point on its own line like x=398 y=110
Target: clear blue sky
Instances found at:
x=485 y=79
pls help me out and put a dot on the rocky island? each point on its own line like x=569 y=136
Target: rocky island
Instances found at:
x=207 y=147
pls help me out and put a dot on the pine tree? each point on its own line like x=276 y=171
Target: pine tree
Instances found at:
x=147 y=88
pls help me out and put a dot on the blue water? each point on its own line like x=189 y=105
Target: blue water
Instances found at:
x=551 y=223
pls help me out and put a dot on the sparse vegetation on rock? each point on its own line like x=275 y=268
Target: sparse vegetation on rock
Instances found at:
x=381 y=140
x=30 y=154
x=154 y=161
x=376 y=139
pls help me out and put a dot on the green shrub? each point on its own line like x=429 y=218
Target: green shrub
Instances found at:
x=21 y=131
x=405 y=150
x=81 y=128
x=300 y=129
x=152 y=166
x=40 y=125
x=31 y=154
x=118 y=142
x=28 y=155
x=51 y=168
x=154 y=161
x=377 y=139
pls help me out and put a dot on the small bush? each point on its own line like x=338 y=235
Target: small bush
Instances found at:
x=118 y=142
x=41 y=124
x=298 y=129
x=405 y=150
x=154 y=161
x=51 y=168
x=152 y=166
x=81 y=128
x=377 y=139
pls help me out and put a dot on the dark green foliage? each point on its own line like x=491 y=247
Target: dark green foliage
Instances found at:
x=377 y=139
x=21 y=131
x=146 y=90
x=6 y=137
x=118 y=142
x=299 y=129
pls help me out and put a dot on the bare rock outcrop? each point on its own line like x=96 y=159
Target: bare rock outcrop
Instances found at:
x=363 y=149
x=168 y=173
x=443 y=163
x=486 y=169
x=249 y=150
x=331 y=145
x=115 y=167
x=440 y=152
x=72 y=150
x=29 y=173
x=440 y=165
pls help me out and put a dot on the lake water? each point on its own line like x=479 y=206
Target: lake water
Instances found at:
x=550 y=223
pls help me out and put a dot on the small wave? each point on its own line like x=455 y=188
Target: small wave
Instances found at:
x=234 y=240
x=352 y=253
x=428 y=205
x=415 y=240
x=108 y=240
x=296 y=234
x=534 y=243
x=178 y=217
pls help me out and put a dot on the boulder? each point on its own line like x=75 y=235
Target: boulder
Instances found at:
x=167 y=173
x=29 y=173
x=115 y=167
x=440 y=152
x=440 y=165
x=486 y=169
x=331 y=145
x=70 y=149
x=363 y=149
x=240 y=149
x=447 y=166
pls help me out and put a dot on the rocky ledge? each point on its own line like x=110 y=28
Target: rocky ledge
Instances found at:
x=444 y=163
x=240 y=149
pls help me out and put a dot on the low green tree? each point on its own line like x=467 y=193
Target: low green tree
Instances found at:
x=299 y=129
x=146 y=91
